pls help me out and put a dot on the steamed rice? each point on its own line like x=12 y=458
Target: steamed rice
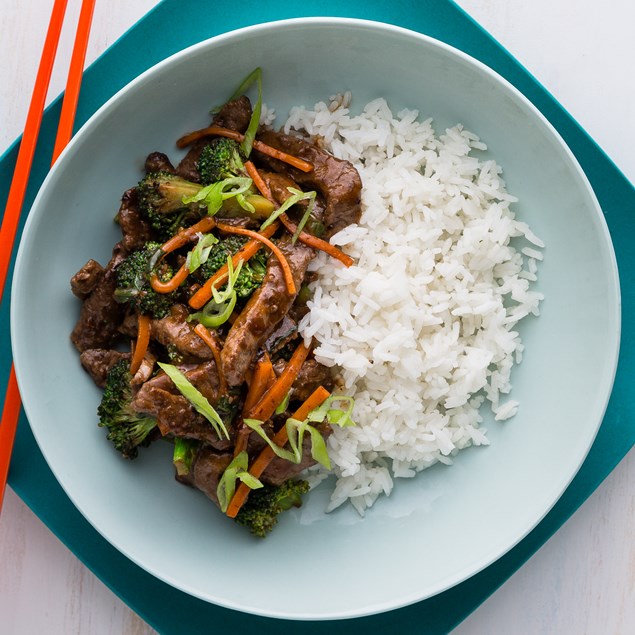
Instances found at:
x=422 y=327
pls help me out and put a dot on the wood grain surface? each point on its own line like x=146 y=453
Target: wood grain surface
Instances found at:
x=583 y=580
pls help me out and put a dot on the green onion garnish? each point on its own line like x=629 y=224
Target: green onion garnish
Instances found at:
x=199 y=402
x=236 y=470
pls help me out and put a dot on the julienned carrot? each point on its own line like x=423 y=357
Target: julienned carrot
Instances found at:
x=262 y=379
x=286 y=269
x=267 y=405
x=317 y=243
x=317 y=398
x=172 y=284
x=213 y=345
x=218 y=131
x=259 y=182
x=249 y=250
x=183 y=237
x=176 y=242
x=143 y=339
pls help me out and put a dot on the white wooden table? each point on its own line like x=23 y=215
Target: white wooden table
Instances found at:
x=583 y=579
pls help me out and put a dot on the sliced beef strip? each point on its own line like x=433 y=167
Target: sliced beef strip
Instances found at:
x=264 y=310
x=312 y=375
x=135 y=229
x=101 y=315
x=160 y=398
x=207 y=468
x=234 y=115
x=158 y=162
x=286 y=331
x=280 y=470
x=98 y=361
x=279 y=185
x=174 y=331
x=336 y=180
x=86 y=279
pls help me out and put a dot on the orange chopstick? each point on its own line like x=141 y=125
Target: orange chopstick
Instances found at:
x=15 y=200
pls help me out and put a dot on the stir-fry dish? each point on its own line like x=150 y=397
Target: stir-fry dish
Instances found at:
x=191 y=327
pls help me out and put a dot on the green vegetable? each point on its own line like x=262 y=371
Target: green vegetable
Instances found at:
x=213 y=196
x=183 y=456
x=332 y=411
x=133 y=282
x=221 y=159
x=198 y=401
x=252 y=128
x=160 y=197
x=218 y=310
x=237 y=470
x=295 y=431
x=127 y=429
x=261 y=510
x=328 y=411
x=199 y=255
x=296 y=197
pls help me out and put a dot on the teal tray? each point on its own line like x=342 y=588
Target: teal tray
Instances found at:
x=158 y=35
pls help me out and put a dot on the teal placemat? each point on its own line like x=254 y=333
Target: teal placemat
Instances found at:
x=172 y=26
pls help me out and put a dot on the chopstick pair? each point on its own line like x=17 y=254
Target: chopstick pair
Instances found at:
x=19 y=182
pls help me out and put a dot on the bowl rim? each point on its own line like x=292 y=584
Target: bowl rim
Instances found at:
x=319 y=21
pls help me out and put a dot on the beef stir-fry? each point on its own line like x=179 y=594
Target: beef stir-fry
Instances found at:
x=191 y=328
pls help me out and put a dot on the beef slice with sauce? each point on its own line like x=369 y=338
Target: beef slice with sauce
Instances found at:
x=159 y=397
x=336 y=180
x=101 y=315
x=175 y=332
x=135 y=229
x=264 y=310
x=234 y=115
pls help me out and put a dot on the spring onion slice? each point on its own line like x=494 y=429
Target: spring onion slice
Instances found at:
x=295 y=431
x=213 y=195
x=252 y=128
x=296 y=197
x=199 y=255
x=219 y=309
x=235 y=471
x=199 y=402
x=332 y=411
x=283 y=406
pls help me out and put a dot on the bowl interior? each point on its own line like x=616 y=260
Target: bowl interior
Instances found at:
x=435 y=530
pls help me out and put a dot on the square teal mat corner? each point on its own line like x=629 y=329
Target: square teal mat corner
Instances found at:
x=158 y=35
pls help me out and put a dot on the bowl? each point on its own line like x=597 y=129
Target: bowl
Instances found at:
x=435 y=530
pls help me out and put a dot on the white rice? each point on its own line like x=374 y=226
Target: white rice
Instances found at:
x=422 y=326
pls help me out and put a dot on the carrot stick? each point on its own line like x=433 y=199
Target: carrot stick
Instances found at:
x=259 y=182
x=281 y=437
x=143 y=339
x=172 y=284
x=184 y=236
x=317 y=243
x=267 y=405
x=286 y=269
x=249 y=249
x=213 y=345
x=296 y=162
x=262 y=379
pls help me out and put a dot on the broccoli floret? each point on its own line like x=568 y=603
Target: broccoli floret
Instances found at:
x=133 y=283
x=160 y=198
x=221 y=159
x=127 y=429
x=184 y=452
x=261 y=510
x=252 y=273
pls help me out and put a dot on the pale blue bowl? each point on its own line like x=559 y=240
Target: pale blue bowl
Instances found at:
x=435 y=530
